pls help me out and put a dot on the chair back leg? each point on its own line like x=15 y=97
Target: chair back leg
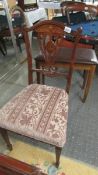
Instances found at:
x=6 y=138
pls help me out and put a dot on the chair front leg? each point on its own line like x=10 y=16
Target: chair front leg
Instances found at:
x=58 y=153
x=6 y=138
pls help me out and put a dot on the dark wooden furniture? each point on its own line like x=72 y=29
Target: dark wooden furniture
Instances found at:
x=87 y=63
x=75 y=12
x=67 y=9
x=26 y=5
x=2 y=46
x=41 y=111
x=11 y=166
x=72 y=12
x=18 y=21
x=84 y=59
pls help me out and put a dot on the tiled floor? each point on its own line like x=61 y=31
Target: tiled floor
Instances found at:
x=82 y=133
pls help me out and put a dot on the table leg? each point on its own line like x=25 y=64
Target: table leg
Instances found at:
x=90 y=75
x=85 y=77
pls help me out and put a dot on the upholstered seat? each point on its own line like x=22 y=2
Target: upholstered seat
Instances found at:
x=38 y=111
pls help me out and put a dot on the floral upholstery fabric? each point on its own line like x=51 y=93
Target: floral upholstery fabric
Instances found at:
x=39 y=112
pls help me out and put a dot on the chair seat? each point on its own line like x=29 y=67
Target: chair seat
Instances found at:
x=87 y=56
x=39 y=112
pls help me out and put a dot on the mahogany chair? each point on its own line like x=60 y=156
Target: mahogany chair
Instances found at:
x=68 y=16
x=84 y=57
x=75 y=11
x=11 y=166
x=18 y=21
x=40 y=111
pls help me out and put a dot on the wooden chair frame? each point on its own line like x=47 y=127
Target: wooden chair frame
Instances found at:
x=90 y=68
x=67 y=7
x=4 y=131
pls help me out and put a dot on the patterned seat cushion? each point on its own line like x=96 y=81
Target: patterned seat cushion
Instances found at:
x=39 y=112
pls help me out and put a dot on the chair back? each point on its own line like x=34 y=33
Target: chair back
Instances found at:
x=71 y=6
x=50 y=35
x=79 y=8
